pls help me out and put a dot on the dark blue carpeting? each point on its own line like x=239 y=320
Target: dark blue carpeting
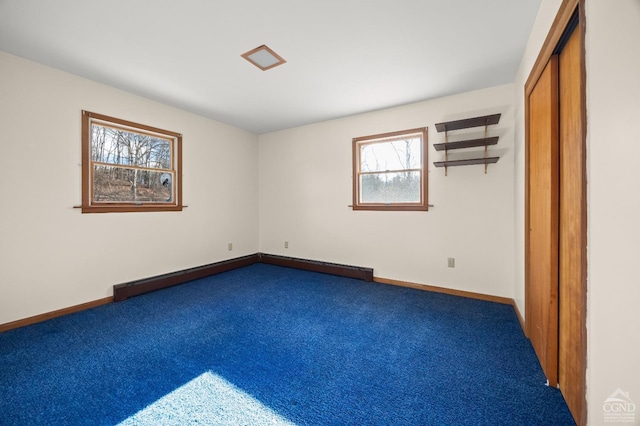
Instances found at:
x=271 y=345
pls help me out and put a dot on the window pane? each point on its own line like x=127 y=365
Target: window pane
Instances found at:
x=122 y=185
x=396 y=155
x=117 y=146
x=403 y=187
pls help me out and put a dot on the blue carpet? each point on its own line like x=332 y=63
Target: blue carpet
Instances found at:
x=272 y=345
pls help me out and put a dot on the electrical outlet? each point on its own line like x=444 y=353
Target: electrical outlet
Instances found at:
x=230 y=246
x=451 y=262
x=286 y=244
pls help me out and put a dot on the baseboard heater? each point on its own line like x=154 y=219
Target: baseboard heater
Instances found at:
x=358 y=272
x=135 y=288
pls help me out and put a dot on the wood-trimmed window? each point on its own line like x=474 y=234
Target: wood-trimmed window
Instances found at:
x=129 y=167
x=390 y=171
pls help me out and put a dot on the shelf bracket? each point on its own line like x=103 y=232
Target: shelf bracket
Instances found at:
x=485 y=148
x=446 y=151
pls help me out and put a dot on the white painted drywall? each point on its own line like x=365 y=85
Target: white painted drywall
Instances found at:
x=613 y=147
x=51 y=255
x=306 y=187
x=613 y=174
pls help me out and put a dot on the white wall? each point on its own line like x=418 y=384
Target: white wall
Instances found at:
x=613 y=147
x=51 y=255
x=613 y=150
x=306 y=186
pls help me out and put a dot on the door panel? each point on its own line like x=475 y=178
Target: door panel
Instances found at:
x=542 y=283
x=572 y=226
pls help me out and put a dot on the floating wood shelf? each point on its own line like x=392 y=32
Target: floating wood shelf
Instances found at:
x=485 y=120
x=447 y=126
x=466 y=144
x=467 y=162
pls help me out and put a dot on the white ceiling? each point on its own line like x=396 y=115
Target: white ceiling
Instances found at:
x=343 y=56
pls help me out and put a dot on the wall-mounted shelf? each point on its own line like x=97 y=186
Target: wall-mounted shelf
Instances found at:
x=466 y=144
x=447 y=126
x=466 y=123
x=468 y=162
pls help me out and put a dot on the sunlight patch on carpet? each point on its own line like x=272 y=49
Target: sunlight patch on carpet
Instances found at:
x=207 y=399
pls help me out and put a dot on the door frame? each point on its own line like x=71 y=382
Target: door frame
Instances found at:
x=563 y=18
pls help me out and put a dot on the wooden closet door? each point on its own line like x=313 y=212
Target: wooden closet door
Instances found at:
x=572 y=343
x=543 y=174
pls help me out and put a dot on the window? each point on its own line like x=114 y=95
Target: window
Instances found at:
x=128 y=167
x=390 y=172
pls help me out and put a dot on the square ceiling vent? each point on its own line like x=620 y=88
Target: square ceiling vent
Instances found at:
x=263 y=58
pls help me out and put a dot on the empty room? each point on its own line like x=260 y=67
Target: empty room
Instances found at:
x=308 y=213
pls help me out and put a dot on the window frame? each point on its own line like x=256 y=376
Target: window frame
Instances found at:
x=91 y=206
x=423 y=204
